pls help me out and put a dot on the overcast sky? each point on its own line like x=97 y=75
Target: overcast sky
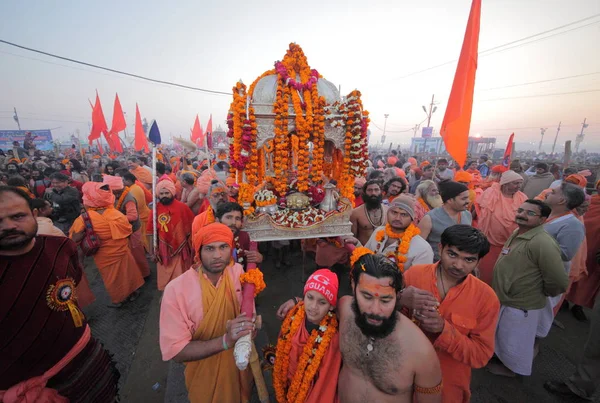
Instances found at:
x=369 y=45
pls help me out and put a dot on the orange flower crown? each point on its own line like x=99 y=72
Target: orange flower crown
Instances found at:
x=358 y=253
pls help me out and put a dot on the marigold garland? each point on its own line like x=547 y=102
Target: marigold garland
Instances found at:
x=254 y=276
x=358 y=253
x=122 y=198
x=309 y=360
x=403 y=239
x=245 y=197
x=423 y=203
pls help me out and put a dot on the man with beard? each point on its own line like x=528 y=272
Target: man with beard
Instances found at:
x=393 y=188
x=376 y=176
x=38 y=183
x=370 y=215
x=190 y=194
x=538 y=182
x=174 y=221
x=47 y=348
x=65 y=201
x=496 y=217
x=137 y=191
x=442 y=173
x=200 y=319
x=427 y=175
x=232 y=188
x=359 y=182
x=217 y=194
x=528 y=271
x=457 y=311
x=143 y=175
x=454 y=211
x=388 y=239
x=428 y=198
x=232 y=215
x=378 y=365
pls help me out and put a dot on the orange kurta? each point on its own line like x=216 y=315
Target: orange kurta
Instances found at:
x=497 y=221
x=324 y=385
x=470 y=311
x=143 y=211
x=114 y=260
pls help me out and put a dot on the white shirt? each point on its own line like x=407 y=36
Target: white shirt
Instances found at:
x=419 y=251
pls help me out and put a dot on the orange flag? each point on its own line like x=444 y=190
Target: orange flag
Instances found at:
x=457 y=119
x=98 y=122
x=118 y=124
x=140 y=142
x=197 y=136
x=508 y=151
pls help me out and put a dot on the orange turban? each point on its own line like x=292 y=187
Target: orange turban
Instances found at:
x=114 y=182
x=400 y=172
x=97 y=195
x=577 y=179
x=215 y=232
x=230 y=181
x=166 y=184
x=463 y=176
x=499 y=169
x=412 y=161
x=424 y=164
x=392 y=160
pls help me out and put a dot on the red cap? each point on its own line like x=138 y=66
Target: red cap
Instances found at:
x=325 y=282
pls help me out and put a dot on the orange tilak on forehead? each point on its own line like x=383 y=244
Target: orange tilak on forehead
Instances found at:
x=375 y=287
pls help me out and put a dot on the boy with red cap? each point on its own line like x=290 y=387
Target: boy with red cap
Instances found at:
x=200 y=319
x=308 y=358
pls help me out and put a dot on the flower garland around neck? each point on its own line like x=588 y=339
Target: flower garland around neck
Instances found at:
x=423 y=203
x=122 y=197
x=403 y=239
x=310 y=359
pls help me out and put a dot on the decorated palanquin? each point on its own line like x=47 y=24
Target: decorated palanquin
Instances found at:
x=289 y=133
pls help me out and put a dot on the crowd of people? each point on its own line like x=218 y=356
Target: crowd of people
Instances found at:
x=466 y=265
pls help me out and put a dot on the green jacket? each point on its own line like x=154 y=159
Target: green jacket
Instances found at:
x=528 y=270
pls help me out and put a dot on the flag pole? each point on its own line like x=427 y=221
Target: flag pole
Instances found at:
x=154 y=232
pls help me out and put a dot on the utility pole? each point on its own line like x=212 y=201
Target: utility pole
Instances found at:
x=580 y=136
x=543 y=131
x=432 y=109
x=555 y=138
x=384 y=125
x=16 y=118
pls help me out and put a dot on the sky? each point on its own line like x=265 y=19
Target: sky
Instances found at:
x=375 y=47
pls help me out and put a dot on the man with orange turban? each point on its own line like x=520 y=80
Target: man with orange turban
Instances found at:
x=174 y=228
x=200 y=319
x=217 y=194
x=233 y=189
x=496 y=208
x=113 y=259
x=143 y=175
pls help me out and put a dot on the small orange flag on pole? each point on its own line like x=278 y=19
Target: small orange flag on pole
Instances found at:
x=457 y=119
x=140 y=142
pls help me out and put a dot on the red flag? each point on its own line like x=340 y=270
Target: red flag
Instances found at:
x=197 y=136
x=118 y=124
x=457 y=119
x=100 y=150
x=508 y=151
x=140 y=141
x=209 y=133
x=98 y=122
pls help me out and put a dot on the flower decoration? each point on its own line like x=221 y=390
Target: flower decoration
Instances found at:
x=358 y=253
x=254 y=276
x=400 y=254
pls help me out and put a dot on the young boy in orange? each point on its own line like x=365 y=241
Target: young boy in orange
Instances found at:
x=308 y=358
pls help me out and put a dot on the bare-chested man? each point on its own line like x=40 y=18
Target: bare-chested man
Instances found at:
x=386 y=357
x=370 y=215
x=190 y=195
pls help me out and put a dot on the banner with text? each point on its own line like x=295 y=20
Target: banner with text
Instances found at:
x=43 y=141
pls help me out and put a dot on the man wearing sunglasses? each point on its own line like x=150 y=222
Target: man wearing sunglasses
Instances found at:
x=529 y=270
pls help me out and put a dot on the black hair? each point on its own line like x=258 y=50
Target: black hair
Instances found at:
x=466 y=239
x=574 y=195
x=97 y=178
x=18 y=192
x=542 y=165
x=143 y=160
x=369 y=183
x=375 y=175
x=387 y=185
x=545 y=210
x=427 y=167
x=228 y=207
x=134 y=159
x=38 y=204
x=114 y=166
x=484 y=157
x=76 y=165
x=128 y=176
x=16 y=180
x=160 y=168
x=121 y=171
x=48 y=172
x=188 y=178
x=444 y=160
x=570 y=171
x=378 y=266
x=59 y=177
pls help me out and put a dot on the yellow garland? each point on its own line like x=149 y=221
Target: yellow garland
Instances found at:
x=245 y=197
x=254 y=276
x=122 y=198
x=309 y=360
